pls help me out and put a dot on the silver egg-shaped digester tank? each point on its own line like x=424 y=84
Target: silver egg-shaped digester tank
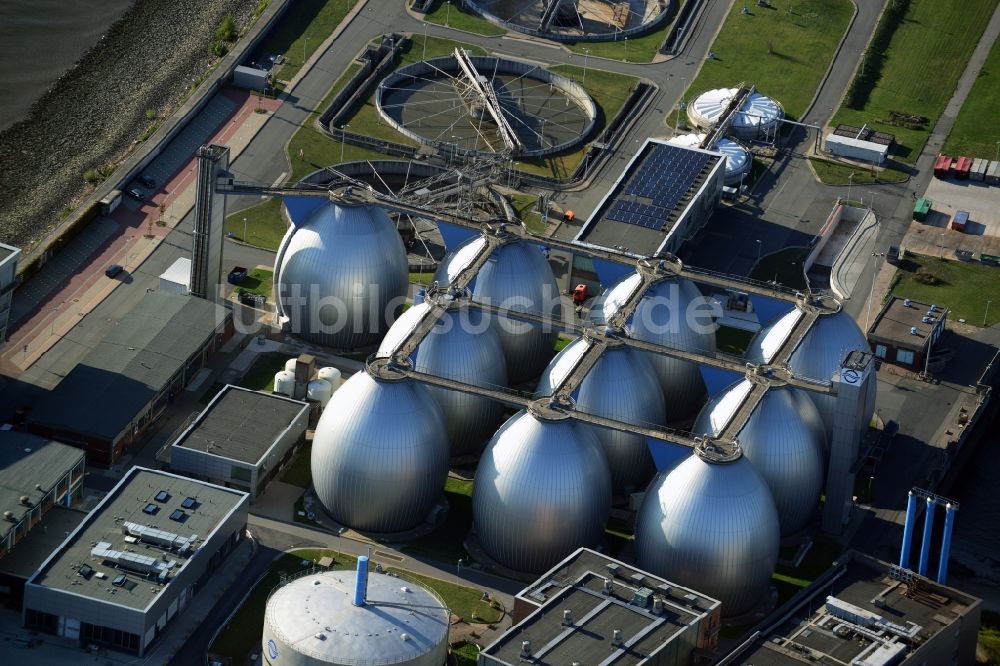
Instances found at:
x=380 y=454
x=542 y=489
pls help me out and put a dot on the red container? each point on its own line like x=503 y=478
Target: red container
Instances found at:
x=942 y=166
x=962 y=167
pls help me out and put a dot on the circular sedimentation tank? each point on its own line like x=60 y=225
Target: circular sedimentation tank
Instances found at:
x=785 y=441
x=542 y=490
x=575 y=20
x=341 y=276
x=621 y=386
x=738 y=161
x=464 y=347
x=666 y=315
x=759 y=116
x=380 y=454
x=711 y=527
x=312 y=621
x=517 y=277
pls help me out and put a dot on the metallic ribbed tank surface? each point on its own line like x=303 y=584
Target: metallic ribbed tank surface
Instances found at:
x=542 y=489
x=711 y=527
x=517 y=276
x=785 y=441
x=620 y=386
x=380 y=454
x=311 y=621
x=663 y=317
x=818 y=356
x=464 y=347
x=341 y=275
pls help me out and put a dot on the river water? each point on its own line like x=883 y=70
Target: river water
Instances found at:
x=40 y=40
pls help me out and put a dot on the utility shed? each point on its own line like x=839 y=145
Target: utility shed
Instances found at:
x=241 y=439
x=119 y=388
x=250 y=78
x=856 y=149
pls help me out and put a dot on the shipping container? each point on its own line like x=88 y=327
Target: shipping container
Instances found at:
x=110 y=201
x=993 y=173
x=921 y=209
x=962 y=167
x=979 y=167
x=960 y=220
x=942 y=165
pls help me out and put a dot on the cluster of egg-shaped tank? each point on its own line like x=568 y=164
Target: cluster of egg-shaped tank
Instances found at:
x=758 y=117
x=341 y=276
x=517 y=276
x=738 y=161
x=461 y=346
x=620 y=386
x=380 y=454
x=712 y=527
x=542 y=489
x=313 y=621
x=785 y=441
x=818 y=356
x=669 y=314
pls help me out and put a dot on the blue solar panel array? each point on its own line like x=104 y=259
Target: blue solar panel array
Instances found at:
x=664 y=177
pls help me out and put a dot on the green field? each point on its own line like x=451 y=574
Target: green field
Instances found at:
x=966 y=288
x=465 y=602
x=299 y=33
x=784 y=54
x=454 y=15
x=989 y=637
x=834 y=173
x=258 y=281
x=976 y=130
x=918 y=71
x=265 y=225
x=260 y=376
x=525 y=206
x=445 y=543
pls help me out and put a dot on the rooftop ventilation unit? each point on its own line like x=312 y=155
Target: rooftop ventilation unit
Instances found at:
x=525 y=648
x=142 y=564
x=567 y=620
x=913 y=330
x=160 y=537
x=616 y=637
x=907 y=303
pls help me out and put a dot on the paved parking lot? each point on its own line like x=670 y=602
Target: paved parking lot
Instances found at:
x=982 y=234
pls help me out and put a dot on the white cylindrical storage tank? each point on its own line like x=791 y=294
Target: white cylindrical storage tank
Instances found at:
x=738 y=160
x=311 y=621
x=542 y=490
x=518 y=277
x=818 y=356
x=621 y=386
x=380 y=454
x=757 y=118
x=284 y=383
x=465 y=347
x=672 y=313
x=711 y=527
x=290 y=364
x=341 y=276
x=319 y=390
x=331 y=375
x=785 y=441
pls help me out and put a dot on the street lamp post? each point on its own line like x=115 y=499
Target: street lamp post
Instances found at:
x=871 y=292
x=850 y=181
x=987 y=313
x=305 y=44
x=586 y=54
x=997 y=157
x=871 y=204
x=343 y=140
x=424 y=55
x=125 y=252
x=758 y=250
x=447 y=15
x=245 y=228
x=626 y=49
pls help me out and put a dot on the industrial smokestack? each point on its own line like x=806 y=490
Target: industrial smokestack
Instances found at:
x=361 y=584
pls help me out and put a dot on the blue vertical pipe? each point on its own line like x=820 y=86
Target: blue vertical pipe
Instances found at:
x=925 y=545
x=911 y=517
x=361 y=584
x=949 y=523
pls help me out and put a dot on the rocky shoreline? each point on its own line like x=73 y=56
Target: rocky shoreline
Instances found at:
x=96 y=113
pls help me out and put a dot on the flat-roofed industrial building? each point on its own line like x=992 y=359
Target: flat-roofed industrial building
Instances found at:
x=905 y=332
x=241 y=440
x=136 y=561
x=866 y=612
x=36 y=476
x=591 y=604
x=120 y=387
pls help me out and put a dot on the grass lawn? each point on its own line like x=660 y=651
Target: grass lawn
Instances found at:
x=920 y=68
x=260 y=376
x=783 y=266
x=259 y=281
x=465 y=602
x=466 y=654
x=299 y=473
x=562 y=342
x=964 y=287
x=422 y=278
x=299 y=33
x=784 y=54
x=732 y=340
x=454 y=15
x=445 y=543
x=265 y=225
x=834 y=173
x=989 y=636
x=976 y=130
x=525 y=206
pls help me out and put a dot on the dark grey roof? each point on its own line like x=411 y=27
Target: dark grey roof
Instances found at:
x=137 y=489
x=27 y=461
x=134 y=361
x=7 y=250
x=29 y=553
x=576 y=584
x=241 y=424
x=894 y=322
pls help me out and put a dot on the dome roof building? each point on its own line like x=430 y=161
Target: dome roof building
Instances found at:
x=758 y=117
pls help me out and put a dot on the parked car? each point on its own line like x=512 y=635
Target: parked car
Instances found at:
x=146 y=181
x=136 y=194
x=237 y=276
x=892 y=256
x=113 y=270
